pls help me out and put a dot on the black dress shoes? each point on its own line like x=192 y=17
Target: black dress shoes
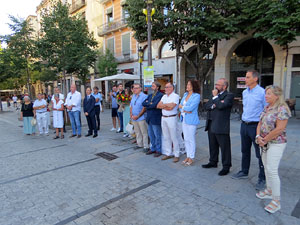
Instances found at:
x=87 y=135
x=223 y=172
x=209 y=165
x=95 y=135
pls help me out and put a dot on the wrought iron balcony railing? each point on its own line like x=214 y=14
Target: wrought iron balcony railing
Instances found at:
x=111 y=26
x=77 y=5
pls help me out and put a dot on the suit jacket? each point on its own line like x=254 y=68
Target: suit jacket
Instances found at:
x=89 y=105
x=153 y=114
x=191 y=106
x=219 y=116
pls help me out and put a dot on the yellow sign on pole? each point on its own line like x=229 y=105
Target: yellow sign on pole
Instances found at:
x=148 y=76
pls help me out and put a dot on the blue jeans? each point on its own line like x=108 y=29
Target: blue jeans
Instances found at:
x=248 y=133
x=154 y=132
x=75 y=122
x=120 y=115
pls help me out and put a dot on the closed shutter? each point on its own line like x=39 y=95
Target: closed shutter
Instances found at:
x=126 y=44
x=111 y=45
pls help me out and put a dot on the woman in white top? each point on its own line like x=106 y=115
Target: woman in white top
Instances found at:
x=58 y=119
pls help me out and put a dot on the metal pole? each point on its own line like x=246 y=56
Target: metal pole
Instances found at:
x=141 y=76
x=149 y=25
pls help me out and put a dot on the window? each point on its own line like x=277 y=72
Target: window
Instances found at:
x=166 y=50
x=126 y=44
x=296 y=60
x=111 y=45
x=125 y=15
x=109 y=15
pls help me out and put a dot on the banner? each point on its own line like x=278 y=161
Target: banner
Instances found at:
x=241 y=82
x=148 y=76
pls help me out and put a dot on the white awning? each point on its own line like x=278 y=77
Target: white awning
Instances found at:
x=120 y=76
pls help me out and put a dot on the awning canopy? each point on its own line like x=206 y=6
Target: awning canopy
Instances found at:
x=120 y=76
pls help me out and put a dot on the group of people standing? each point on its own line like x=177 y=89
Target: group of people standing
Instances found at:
x=168 y=122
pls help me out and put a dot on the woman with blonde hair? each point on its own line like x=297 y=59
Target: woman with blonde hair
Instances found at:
x=271 y=137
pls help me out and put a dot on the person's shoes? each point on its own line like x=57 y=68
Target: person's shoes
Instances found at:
x=62 y=137
x=56 y=137
x=125 y=135
x=47 y=134
x=223 y=172
x=79 y=136
x=95 y=135
x=260 y=185
x=149 y=152
x=239 y=175
x=157 y=154
x=119 y=131
x=167 y=157
x=87 y=135
x=176 y=159
x=137 y=147
x=113 y=129
x=73 y=135
x=145 y=150
x=209 y=165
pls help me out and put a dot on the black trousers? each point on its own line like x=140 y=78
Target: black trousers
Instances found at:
x=217 y=141
x=97 y=116
x=92 y=124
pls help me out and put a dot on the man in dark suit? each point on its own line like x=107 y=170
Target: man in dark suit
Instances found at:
x=89 y=112
x=218 y=126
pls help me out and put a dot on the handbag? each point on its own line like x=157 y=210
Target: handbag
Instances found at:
x=129 y=128
x=33 y=122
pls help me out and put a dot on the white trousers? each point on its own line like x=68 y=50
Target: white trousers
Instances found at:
x=42 y=122
x=189 y=132
x=170 y=136
x=271 y=159
x=141 y=132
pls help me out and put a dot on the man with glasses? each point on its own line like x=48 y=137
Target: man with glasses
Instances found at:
x=218 y=126
x=138 y=118
x=169 y=105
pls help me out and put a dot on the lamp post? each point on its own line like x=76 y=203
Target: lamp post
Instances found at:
x=141 y=55
x=149 y=26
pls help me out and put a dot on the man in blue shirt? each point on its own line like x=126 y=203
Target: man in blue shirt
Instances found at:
x=153 y=119
x=138 y=118
x=253 y=104
x=98 y=98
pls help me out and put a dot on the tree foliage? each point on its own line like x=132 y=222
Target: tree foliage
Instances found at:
x=107 y=64
x=66 y=45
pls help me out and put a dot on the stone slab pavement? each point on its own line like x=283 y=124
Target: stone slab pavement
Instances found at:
x=56 y=182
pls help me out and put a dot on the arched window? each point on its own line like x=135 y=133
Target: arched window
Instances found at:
x=166 y=50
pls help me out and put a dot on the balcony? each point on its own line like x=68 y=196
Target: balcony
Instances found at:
x=125 y=57
x=78 y=4
x=111 y=27
x=103 y=1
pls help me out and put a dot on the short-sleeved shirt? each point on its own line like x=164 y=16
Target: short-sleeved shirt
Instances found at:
x=268 y=119
x=253 y=103
x=136 y=105
x=172 y=98
x=61 y=97
x=114 y=104
x=99 y=96
x=15 y=98
x=38 y=103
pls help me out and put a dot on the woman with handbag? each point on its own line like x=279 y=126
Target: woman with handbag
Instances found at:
x=271 y=137
x=27 y=115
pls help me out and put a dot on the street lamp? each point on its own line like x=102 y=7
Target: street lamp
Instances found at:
x=141 y=56
x=149 y=13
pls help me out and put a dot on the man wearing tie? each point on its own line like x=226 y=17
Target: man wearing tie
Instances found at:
x=218 y=126
x=89 y=112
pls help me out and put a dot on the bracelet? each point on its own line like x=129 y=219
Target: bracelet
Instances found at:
x=257 y=136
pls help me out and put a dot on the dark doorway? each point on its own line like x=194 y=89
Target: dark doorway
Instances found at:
x=252 y=54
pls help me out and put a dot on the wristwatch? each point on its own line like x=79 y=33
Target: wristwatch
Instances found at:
x=257 y=136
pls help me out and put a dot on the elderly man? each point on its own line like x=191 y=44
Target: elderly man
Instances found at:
x=253 y=105
x=153 y=119
x=40 y=107
x=89 y=112
x=138 y=118
x=73 y=104
x=169 y=105
x=218 y=126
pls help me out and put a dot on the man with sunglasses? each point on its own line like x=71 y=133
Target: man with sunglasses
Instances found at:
x=138 y=118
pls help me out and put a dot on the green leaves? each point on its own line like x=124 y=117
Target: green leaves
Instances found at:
x=107 y=64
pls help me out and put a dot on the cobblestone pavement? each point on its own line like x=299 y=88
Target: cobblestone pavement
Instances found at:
x=56 y=182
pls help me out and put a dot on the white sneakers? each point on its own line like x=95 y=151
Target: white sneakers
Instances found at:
x=113 y=129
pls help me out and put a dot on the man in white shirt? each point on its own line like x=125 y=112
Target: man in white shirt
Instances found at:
x=169 y=105
x=73 y=105
x=40 y=106
x=15 y=99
